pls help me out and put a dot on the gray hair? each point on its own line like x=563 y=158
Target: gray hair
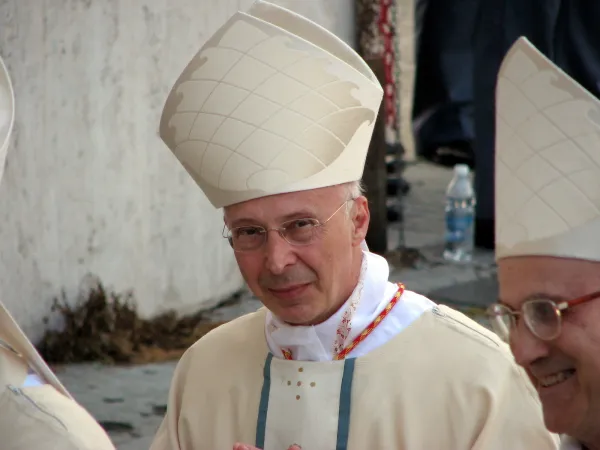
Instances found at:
x=354 y=189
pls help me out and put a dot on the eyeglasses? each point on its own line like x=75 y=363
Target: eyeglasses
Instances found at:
x=295 y=232
x=543 y=317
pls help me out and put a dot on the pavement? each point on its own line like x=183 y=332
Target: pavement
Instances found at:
x=130 y=401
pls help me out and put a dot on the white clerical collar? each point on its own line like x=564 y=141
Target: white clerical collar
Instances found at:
x=320 y=342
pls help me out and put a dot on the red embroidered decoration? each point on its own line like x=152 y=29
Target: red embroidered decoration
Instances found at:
x=343 y=330
x=287 y=354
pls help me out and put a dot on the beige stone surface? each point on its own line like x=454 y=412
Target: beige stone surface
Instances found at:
x=89 y=186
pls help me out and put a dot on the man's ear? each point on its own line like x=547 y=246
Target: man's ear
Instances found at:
x=225 y=216
x=360 y=219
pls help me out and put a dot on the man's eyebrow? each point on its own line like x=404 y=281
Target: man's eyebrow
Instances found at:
x=540 y=295
x=244 y=221
x=301 y=214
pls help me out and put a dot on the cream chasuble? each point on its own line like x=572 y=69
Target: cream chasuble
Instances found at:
x=315 y=401
x=427 y=377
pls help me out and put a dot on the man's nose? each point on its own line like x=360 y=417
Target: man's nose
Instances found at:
x=526 y=347
x=279 y=253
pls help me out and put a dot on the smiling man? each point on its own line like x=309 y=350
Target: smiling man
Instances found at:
x=273 y=118
x=548 y=238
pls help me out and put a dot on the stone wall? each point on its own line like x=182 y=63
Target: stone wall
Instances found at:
x=89 y=186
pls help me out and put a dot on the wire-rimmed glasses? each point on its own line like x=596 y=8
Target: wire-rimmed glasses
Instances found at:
x=295 y=232
x=543 y=317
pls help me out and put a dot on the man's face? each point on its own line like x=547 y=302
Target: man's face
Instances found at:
x=305 y=284
x=565 y=371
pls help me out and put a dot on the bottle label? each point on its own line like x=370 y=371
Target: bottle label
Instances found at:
x=457 y=226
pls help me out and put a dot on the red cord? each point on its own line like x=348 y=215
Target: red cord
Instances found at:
x=389 y=88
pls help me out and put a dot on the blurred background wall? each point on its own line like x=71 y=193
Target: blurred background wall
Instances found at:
x=89 y=187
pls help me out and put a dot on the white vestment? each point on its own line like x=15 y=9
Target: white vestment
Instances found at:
x=428 y=377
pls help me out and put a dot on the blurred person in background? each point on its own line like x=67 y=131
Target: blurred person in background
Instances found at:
x=442 y=114
x=565 y=31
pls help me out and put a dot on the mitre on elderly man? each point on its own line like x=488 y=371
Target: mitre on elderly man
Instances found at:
x=547 y=160
x=548 y=209
x=271 y=104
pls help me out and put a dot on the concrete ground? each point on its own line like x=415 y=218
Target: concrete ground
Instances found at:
x=130 y=401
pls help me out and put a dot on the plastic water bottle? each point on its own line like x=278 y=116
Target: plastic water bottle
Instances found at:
x=460 y=214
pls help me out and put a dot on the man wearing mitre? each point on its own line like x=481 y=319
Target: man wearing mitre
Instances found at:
x=548 y=238
x=272 y=119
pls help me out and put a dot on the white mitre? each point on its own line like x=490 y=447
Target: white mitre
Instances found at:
x=272 y=103
x=547 y=160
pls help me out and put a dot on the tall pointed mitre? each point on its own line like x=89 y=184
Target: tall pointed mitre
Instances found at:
x=547 y=160
x=272 y=103
x=22 y=353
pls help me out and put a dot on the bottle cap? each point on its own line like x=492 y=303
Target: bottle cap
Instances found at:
x=461 y=169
